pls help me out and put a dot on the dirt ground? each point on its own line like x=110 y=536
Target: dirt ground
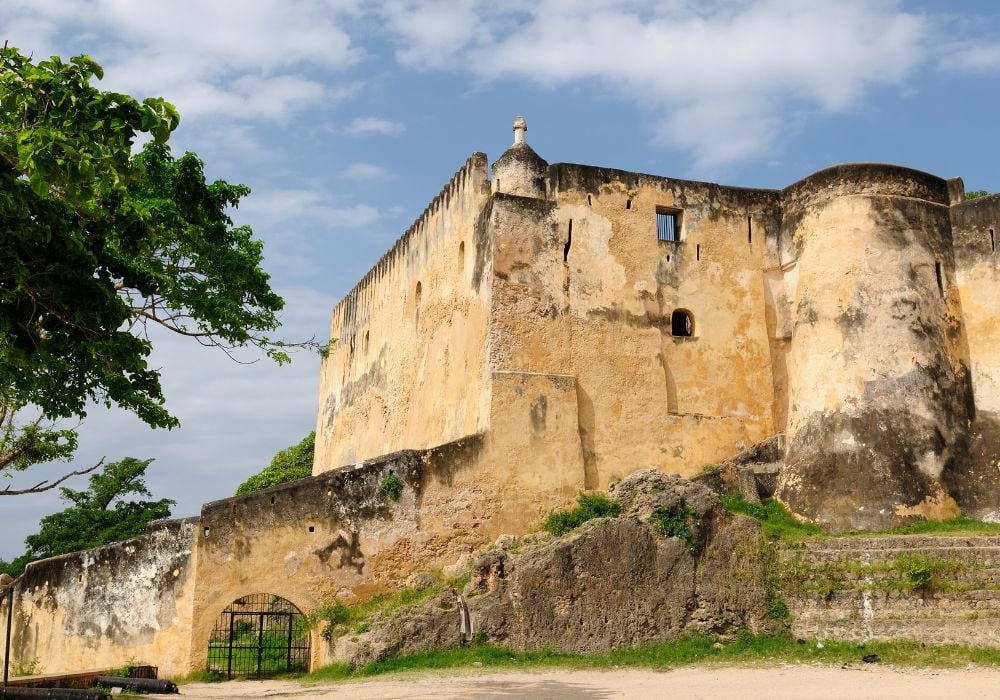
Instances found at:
x=693 y=683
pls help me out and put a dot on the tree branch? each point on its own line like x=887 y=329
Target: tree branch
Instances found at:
x=46 y=486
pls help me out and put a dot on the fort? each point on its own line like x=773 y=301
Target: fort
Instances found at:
x=542 y=330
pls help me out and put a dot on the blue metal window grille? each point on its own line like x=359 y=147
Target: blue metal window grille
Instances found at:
x=666 y=226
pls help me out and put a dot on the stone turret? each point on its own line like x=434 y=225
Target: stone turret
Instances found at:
x=520 y=170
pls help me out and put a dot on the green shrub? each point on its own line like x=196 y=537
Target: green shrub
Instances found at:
x=777 y=609
x=334 y=614
x=917 y=569
x=391 y=486
x=590 y=506
x=976 y=194
x=676 y=521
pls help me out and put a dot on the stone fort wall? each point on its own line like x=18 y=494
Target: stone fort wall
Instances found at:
x=408 y=370
x=525 y=348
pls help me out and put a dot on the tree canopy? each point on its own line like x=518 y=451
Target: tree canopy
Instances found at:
x=98 y=245
x=289 y=464
x=96 y=516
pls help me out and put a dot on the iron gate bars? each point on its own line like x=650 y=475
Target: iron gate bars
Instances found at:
x=259 y=635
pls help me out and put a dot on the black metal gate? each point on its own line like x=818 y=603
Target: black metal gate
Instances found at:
x=259 y=635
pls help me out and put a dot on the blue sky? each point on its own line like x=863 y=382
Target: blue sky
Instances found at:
x=347 y=117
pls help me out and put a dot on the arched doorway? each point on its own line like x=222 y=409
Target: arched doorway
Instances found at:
x=259 y=635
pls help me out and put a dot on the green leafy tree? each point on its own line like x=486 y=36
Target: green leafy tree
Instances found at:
x=96 y=516
x=99 y=245
x=291 y=463
x=976 y=194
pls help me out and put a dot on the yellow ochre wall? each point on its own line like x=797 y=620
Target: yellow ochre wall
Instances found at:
x=409 y=367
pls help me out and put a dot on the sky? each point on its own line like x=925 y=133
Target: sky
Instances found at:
x=346 y=118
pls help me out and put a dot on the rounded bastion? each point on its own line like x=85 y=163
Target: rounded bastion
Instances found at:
x=878 y=386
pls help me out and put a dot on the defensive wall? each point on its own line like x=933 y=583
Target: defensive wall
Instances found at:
x=842 y=311
x=533 y=335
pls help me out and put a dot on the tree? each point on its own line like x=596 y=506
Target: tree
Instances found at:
x=99 y=245
x=96 y=516
x=289 y=464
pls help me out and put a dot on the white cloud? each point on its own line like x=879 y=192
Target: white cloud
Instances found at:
x=980 y=57
x=276 y=206
x=721 y=75
x=238 y=58
x=365 y=171
x=375 y=125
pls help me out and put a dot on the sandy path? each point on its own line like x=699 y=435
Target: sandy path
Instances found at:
x=695 y=683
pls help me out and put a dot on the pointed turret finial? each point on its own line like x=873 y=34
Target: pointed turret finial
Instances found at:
x=520 y=126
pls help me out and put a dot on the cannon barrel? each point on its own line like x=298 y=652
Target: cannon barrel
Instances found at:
x=137 y=685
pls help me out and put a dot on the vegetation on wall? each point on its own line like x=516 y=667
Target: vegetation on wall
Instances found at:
x=777 y=523
x=96 y=516
x=589 y=506
x=391 y=486
x=976 y=194
x=677 y=521
x=289 y=464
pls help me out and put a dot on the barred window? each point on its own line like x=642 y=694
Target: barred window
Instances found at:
x=668 y=225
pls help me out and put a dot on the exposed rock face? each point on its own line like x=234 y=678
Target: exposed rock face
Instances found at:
x=409 y=630
x=610 y=583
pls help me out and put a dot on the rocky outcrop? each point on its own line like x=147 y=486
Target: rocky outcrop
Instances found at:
x=674 y=562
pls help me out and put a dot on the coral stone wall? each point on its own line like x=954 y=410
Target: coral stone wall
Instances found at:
x=878 y=381
x=648 y=397
x=976 y=231
x=100 y=608
x=409 y=368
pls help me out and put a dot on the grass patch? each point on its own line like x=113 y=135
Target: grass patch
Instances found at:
x=776 y=521
x=779 y=524
x=955 y=526
x=200 y=677
x=744 y=649
x=590 y=506
x=342 y=619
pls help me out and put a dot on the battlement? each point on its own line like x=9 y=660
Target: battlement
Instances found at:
x=357 y=303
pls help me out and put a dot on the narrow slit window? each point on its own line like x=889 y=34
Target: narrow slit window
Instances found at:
x=569 y=241
x=681 y=324
x=940 y=278
x=749 y=230
x=667 y=228
x=993 y=241
x=697 y=252
x=589 y=202
x=628 y=203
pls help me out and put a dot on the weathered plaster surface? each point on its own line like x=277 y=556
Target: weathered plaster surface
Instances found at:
x=101 y=607
x=876 y=369
x=409 y=369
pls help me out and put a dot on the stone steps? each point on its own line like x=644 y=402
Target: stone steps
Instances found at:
x=962 y=604
x=891 y=604
x=983 y=632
